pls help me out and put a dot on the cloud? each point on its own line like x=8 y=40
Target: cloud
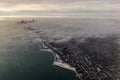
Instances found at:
x=54 y=1
x=60 y=6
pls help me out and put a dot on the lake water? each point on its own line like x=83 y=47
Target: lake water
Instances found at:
x=21 y=60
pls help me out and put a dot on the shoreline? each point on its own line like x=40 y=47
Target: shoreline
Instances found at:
x=60 y=64
x=66 y=66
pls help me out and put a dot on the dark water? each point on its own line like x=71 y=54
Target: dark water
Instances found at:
x=27 y=62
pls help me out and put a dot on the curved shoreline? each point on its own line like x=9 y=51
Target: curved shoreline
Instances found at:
x=66 y=66
x=60 y=64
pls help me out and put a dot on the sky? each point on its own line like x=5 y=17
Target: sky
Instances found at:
x=59 y=7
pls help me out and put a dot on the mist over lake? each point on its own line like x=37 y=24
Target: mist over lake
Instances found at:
x=25 y=54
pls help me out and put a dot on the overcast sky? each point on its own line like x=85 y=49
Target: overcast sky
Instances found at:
x=59 y=7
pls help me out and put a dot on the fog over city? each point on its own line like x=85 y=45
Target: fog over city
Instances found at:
x=83 y=35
